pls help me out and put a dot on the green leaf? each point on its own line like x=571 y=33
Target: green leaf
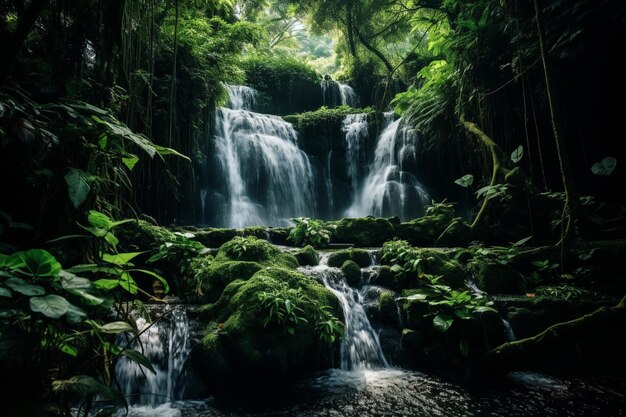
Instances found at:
x=77 y=186
x=120 y=258
x=39 y=262
x=465 y=181
x=99 y=220
x=522 y=241
x=137 y=357
x=517 y=154
x=53 y=306
x=13 y=261
x=24 y=287
x=70 y=281
x=114 y=327
x=130 y=161
x=86 y=386
x=128 y=283
x=163 y=151
x=107 y=284
x=69 y=349
x=5 y=292
x=442 y=322
x=75 y=314
x=604 y=167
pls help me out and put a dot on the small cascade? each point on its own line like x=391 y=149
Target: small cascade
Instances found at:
x=360 y=347
x=510 y=336
x=166 y=345
x=203 y=194
x=267 y=179
x=389 y=190
x=336 y=94
x=356 y=131
x=328 y=182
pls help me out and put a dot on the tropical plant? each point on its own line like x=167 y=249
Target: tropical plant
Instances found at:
x=283 y=309
x=182 y=249
x=310 y=232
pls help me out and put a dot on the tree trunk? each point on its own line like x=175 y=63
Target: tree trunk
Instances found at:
x=12 y=44
x=572 y=202
x=173 y=85
x=350 y=27
x=376 y=52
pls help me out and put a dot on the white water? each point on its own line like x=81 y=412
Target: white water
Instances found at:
x=328 y=182
x=166 y=345
x=267 y=178
x=335 y=94
x=388 y=190
x=356 y=131
x=360 y=347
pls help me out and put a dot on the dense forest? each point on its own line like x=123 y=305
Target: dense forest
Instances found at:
x=312 y=208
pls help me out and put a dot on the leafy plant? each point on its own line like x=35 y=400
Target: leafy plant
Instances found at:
x=494 y=191
x=564 y=291
x=282 y=307
x=517 y=154
x=309 y=232
x=465 y=181
x=440 y=209
x=605 y=166
x=329 y=327
x=181 y=249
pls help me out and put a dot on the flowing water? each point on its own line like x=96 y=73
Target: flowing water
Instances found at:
x=267 y=179
x=389 y=190
x=336 y=94
x=166 y=344
x=365 y=385
x=355 y=128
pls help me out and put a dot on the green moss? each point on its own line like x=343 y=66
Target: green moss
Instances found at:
x=359 y=256
x=351 y=272
x=387 y=308
x=367 y=231
x=143 y=235
x=212 y=279
x=255 y=250
x=307 y=256
x=495 y=277
x=239 y=351
x=324 y=115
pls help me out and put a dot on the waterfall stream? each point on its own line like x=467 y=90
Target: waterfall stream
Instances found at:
x=356 y=131
x=360 y=347
x=389 y=190
x=336 y=94
x=267 y=178
x=166 y=344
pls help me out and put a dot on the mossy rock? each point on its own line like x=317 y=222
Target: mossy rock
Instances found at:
x=359 y=256
x=211 y=280
x=307 y=256
x=240 y=352
x=351 y=272
x=435 y=230
x=367 y=231
x=494 y=277
x=385 y=277
x=255 y=250
x=415 y=313
x=387 y=308
x=216 y=237
x=143 y=235
x=438 y=262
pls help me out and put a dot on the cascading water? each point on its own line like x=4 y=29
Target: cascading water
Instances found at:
x=389 y=190
x=267 y=178
x=356 y=131
x=335 y=94
x=166 y=345
x=360 y=347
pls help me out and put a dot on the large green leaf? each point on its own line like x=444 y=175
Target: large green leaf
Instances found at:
x=77 y=186
x=107 y=284
x=465 y=181
x=114 y=327
x=137 y=357
x=120 y=258
x=86 y=386
x=5 y=292
x=13 y=261
x=75 y=314
x=604 y=167
x=517 y=154
x=24 y=287
x=39 y=262
x=53 y=306
x=70 y=281
x=442 y=322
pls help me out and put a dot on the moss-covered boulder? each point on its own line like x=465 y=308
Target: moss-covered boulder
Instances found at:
x=245 y=346
x=307 y=256
x=497 y=278
x=351 y=272
x=255 y=250
x=387 y=308
x=367 y=231
x=211 y=280
x=359 y=256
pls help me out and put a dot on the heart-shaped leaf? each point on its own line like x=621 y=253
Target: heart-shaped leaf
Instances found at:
x=53 y=306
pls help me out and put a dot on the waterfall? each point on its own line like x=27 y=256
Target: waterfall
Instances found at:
x=335 y=94
x=360 y=347
x=267 y=178
x=166 y=345
x=388 y=190
x=356 y=131
x=328 y=180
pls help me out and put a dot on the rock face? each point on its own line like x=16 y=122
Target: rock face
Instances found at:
x=497 y=278
x=307 y=256
x=360 y=257
x=352 y=272
x=245 y=344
